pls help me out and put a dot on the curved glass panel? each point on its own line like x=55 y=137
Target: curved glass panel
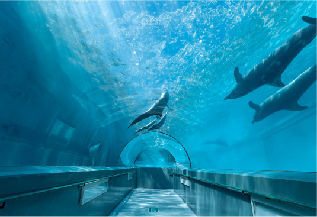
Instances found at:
x=155 y=157
x=153 y=140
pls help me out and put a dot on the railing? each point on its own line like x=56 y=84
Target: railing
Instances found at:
x=246 y=192
x=80 y=184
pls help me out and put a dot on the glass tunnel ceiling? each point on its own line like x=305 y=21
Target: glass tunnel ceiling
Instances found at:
x=155 y=157
x=153 y=141
x=124 y=54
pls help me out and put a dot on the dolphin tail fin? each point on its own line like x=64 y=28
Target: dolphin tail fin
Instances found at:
x=295 y=107
x=237 y=75
x=254 y=106
x=277 y=82
x=140 y=118
x=309 y=20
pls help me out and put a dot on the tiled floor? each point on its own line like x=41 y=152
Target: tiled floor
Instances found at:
x=138 y=202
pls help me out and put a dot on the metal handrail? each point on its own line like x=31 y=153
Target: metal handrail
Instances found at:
x=5 y=199
x=247 y=192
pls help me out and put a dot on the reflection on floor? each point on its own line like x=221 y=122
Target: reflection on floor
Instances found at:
x=143 y=202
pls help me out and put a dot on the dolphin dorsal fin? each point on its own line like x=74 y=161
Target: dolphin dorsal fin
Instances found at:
x=309 y=20
x=295 y=107
x=254 y=106
x=237 y=75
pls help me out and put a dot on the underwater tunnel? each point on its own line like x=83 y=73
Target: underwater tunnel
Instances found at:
x=152 y=142
x=169 y=108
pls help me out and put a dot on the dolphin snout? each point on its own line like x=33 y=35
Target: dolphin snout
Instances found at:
x=231 y=96
x=228 y=97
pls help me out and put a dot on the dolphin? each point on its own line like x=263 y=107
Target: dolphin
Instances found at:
x=269 y=71
x=160 y=123
x=217 y=142
x=309 y=20
x=149 y=125
x=94 y=149
x=286 y=98
x=156 y=109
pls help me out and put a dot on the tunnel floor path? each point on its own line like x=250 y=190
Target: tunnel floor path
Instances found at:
x=152 y=202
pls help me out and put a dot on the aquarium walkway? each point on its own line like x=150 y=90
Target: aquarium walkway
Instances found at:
x=156 y=191
x=152 y=202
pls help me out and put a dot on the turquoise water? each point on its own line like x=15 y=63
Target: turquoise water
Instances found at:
x=76 y=74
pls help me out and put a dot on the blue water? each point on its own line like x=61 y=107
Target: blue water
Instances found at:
x=74 y=75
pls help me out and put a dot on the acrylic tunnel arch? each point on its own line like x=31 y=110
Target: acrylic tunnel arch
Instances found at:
x=151 y=140
x=155 y=156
